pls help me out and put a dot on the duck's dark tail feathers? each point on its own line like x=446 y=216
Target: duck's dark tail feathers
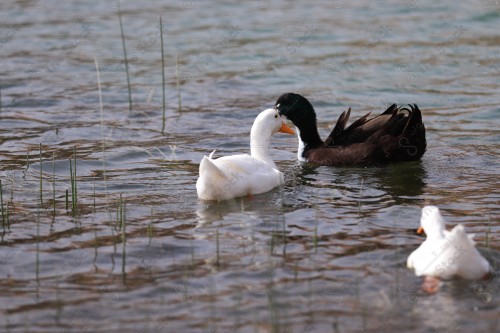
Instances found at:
x=339 y=127
x=411 y=142
x=398 y=134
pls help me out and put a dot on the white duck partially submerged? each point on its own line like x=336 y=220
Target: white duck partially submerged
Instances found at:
x=446 y=254
x=239 y=175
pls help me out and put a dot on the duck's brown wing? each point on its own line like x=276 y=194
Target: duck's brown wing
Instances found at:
x=396 y=135
x=355 y=154
x=360 y=130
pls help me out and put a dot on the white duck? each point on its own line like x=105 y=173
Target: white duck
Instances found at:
x=239 y=175
x=446 y=254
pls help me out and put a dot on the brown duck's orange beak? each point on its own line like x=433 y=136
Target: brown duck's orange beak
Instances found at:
x=420 y=231
x=285 y=129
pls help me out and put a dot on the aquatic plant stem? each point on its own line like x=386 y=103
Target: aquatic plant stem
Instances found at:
x=124 y=236
x=67 y=201
x=41 y=189
x=72 y=171
x=125 y=57
x=218 y=248
x=101 y=112
x=94 y=194
x=27 y=157
x=315 y=242
x=359 y=199
x=118 y=225
x=54 y=183
x=37 y=255
x=178 y=82
x=96 y=246
x=72 y=186
x=7 y=215
x=74 y=174
x=121 y=212
x=162 y=76
x=1 y=204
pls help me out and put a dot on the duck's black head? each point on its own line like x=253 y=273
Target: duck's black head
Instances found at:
x=296 y=108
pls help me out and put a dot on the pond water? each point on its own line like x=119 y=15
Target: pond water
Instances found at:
x=134 y=250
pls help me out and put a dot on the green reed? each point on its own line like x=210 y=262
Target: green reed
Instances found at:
x=315 y=238
x=54 y=183
x=283 y=228
x=94 y=194
x=7 y=210
x=74 y=156
x=150 y=232
x=7 y=216
x=118 y=219
x=177 y=79
x=125 y=58
x=359 y=199
x=101 y=112
x=191 y=249
x=1 y=205
x=273 y=313
x=162 y=75
x=218 y=247
x=37 y=255
x=119 y=213
x=67 y=201
x=114 y=248
x=72 y=181
x=96 y=245
x=150 y=228
x=41 y=186
x=74 y=190
x=12 y=189
x=123 y=210
x=28 y=157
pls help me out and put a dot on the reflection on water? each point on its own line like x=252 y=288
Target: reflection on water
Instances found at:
x=127 y=246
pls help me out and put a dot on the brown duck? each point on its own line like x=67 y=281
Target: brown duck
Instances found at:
x=396 y=135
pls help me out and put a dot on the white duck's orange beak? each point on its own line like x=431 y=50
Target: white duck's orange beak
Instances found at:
x=420 y=231
x=285 y=129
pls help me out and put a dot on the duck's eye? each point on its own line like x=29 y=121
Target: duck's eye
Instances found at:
x=275 y=116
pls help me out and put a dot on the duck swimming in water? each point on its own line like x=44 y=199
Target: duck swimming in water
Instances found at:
x=396 y=135
x=446 y=254
x=235 y=176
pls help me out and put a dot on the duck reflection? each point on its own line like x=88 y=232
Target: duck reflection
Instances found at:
x=262 y=208
x=401 y=181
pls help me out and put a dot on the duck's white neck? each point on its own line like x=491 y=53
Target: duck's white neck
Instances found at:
x=433 y=223
x=302 y=146
x=259 y=148
x=435 y=235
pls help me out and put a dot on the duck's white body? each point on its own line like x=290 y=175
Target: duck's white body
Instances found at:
x=446 y=254
x=239 y=175
x=235 y=176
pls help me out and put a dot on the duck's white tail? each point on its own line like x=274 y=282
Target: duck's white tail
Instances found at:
x=208 y=168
